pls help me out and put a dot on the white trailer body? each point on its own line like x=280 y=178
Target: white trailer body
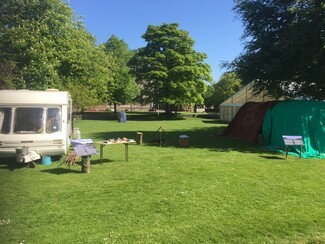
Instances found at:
x=39 y=120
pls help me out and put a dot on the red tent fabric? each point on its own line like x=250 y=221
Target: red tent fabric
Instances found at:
x=247 y=123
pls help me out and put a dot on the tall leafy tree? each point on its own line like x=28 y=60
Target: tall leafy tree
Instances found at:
x=227 y=85
x=124 y=89
x=168 y=68
x=8 y=72
x=285 y=46
x=44 y=45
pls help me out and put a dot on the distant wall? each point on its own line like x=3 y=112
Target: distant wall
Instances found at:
x=126 y=107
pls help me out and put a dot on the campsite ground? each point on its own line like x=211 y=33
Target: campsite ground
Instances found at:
x=215 y=191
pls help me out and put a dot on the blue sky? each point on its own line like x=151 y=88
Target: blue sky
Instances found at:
x=211 y=23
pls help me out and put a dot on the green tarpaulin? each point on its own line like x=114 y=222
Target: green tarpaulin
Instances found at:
x=299 y=118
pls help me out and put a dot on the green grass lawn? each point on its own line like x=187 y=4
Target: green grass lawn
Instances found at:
x=216 y=191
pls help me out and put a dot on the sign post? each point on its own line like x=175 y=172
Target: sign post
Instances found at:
x=84 y=148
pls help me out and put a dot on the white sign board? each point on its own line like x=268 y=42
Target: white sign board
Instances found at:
x=293 y=140
x=84 y=147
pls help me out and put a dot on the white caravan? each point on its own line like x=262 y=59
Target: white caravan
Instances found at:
x=38 y=120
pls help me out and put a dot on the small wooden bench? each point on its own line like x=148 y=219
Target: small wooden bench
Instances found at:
x=293 y=141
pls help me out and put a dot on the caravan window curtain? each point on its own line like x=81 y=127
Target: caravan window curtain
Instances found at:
x=5 y=120
x=29 y=120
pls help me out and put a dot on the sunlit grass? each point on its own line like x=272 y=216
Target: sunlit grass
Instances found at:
x=215 y=191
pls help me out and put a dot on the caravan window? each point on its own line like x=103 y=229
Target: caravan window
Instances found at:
x=53 y=122
x=29 y=120
x=5 y=120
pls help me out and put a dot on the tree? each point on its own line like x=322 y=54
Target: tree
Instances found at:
x=285 y=49
x=227 y=85
x=8 y=72
x=168 y=69
x=124 y=88
x=44 y=45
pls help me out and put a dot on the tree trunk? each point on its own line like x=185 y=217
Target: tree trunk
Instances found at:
x=168 y=109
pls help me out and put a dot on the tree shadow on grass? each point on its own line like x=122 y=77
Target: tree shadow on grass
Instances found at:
x=205 y=138
x=215 y=121
x=132 y=116
x=153 y=116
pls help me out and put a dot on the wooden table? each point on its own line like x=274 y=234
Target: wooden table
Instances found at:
x=126 y=143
